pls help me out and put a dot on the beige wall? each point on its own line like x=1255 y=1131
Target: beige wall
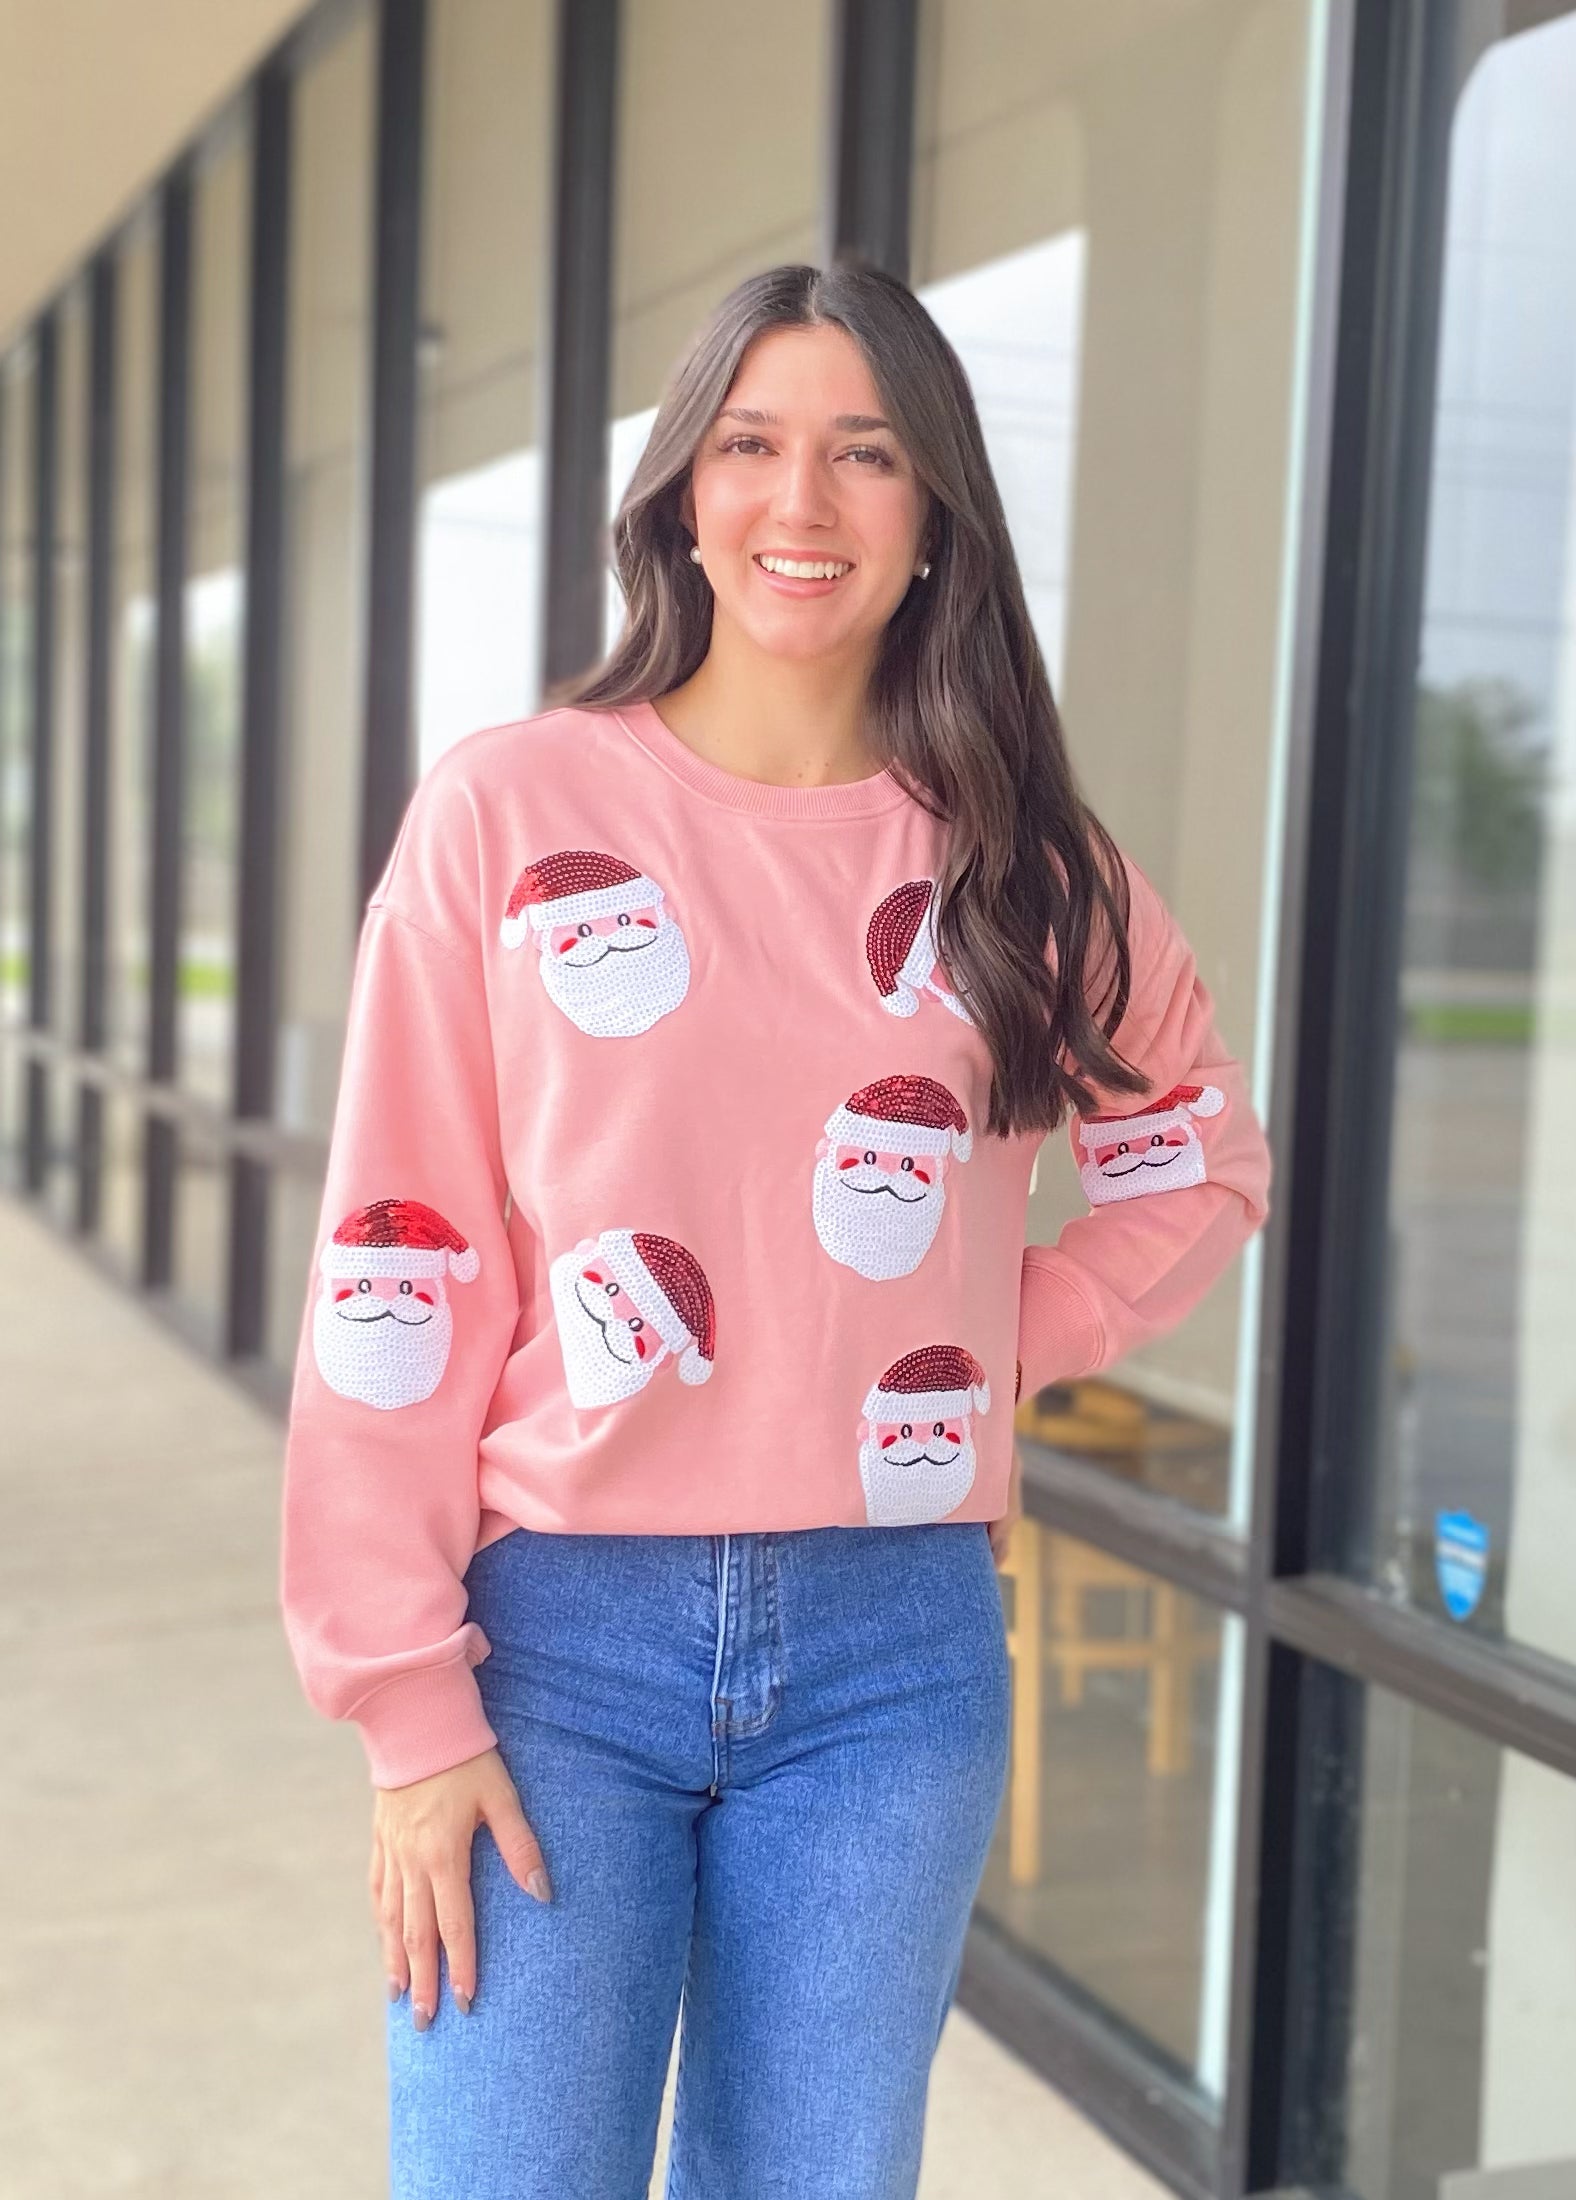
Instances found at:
x=95 y=98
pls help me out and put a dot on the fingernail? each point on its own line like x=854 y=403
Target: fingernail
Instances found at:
x=537 y=1883
x=423 y=2017
x=395 y=1989
x=462 y=2002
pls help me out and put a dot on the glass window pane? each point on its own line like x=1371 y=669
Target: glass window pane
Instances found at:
x=1112 y=1860
x=69 y=745
x=1478 y=1445
x=325 y=580
x=687 y=228
x=1108 y=221
x=487 y=176
x=132 y=607
x=1462 y=1948
x=214 y=616
x=17 y=399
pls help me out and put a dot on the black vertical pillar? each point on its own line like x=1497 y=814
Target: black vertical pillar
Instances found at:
x=577 y=349
x=875 y=45
x=388 y=756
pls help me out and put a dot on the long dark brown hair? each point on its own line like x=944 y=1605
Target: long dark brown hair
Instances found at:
x=959 y=706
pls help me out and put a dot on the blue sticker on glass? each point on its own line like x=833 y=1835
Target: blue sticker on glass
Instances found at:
x=1460 y=1561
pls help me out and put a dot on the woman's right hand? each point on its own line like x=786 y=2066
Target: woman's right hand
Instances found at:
x=420 y=1877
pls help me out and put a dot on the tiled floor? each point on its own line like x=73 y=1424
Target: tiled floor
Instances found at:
x=192 y=1998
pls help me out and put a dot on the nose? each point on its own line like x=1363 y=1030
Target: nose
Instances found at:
x=804 y=494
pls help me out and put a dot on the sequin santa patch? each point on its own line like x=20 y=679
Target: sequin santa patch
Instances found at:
x=382 y=1326
x=901 y=950
x=623 y=1303
x=611 y=954
x=916 y=1440
x=1158 y=1149
x=880 y=1181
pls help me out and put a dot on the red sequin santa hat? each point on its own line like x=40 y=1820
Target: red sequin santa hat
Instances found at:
x=935 y=1382
x=398 y=1237
x=900 y=947
x=669 y=1287
x=571 y=886
x=902 y=1114
x=1173 y=1108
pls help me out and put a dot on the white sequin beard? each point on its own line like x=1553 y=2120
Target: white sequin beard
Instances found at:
x=595 y=1376
x=626 y=989
x=879 y=1234
x=392 y=1362
x=901 y=1495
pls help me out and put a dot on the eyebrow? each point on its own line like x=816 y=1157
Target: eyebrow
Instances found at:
x=851 y=423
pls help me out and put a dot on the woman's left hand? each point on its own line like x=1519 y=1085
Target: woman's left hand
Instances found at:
x=1001 y=1530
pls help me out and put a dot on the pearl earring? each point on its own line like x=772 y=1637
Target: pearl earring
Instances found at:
x=923 y=570
x=695 y=552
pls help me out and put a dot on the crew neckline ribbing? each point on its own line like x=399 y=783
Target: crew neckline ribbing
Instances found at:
x=646 y=726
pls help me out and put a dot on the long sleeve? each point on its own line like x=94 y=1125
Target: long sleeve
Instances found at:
x=411 y=1306
x=1177 y=1181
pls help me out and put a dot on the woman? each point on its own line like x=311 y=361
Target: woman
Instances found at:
x=650 y=1448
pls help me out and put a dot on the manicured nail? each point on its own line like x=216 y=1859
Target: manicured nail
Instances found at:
x=423 y=2017
x=462 y=2002
x=537 y=1883
x=395 y=1989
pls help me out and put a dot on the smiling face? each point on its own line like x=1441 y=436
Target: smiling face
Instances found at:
x=383 y=1339
x=915 y=1470
x=877 y=1211
x=609 y=1347
x=800 y=462
x=616 y=974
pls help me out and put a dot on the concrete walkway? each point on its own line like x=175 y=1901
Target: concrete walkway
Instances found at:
x=193 y=1998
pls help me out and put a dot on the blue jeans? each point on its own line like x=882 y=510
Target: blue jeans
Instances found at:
x=764 y=1769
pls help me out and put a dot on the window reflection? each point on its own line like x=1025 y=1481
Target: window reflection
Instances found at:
x=69 y=742
x=326 y=457
x=130 y=744
x=1478 y=1497
x=1112 y=1857
x=687 y=230
x=1107 y=215
x=489 y=90
x=18 y=400
x=1460 y=1947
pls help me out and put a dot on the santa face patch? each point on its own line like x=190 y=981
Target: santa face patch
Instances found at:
x=901 y=950
x=1156 y=1150
x=624 y=1302
x=610 y=953
x=880 y=1179
x=916 y=1441
x=382 y=1327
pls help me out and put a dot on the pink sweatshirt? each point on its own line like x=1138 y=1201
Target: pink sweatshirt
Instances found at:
x=658 y=1198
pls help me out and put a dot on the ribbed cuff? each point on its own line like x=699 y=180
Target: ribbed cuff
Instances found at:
x=423 y=1722
x=1059 y=1333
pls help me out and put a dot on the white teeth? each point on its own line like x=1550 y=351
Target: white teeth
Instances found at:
x=803 y=569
